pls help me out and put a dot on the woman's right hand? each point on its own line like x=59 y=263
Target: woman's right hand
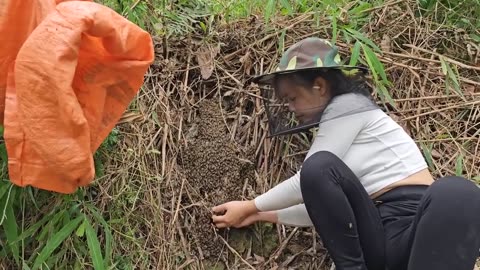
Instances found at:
x=235 y=214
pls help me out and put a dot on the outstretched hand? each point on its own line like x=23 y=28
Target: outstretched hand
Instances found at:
x=235 y=214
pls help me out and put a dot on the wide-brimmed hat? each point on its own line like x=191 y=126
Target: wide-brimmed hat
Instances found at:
x=307 y=54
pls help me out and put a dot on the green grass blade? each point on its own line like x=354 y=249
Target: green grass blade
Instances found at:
x=81 y=229
x=3 y=154
x=51 y=224
x=269 y=10
x=361 y=8
x=459 y=165
x=10 y=224
x=55 y=241
x=4 y=186
x=281 y=42
x=94 y=246
x=25 y=266
x=287 y=6
x=32 y=229
x=108 y=235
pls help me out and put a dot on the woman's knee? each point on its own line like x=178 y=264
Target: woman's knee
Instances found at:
x=316 y=165
x=455 y=189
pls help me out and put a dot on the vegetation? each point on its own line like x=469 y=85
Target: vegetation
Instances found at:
x=424 y=59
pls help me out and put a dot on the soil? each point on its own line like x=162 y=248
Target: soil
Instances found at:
x=216 y=171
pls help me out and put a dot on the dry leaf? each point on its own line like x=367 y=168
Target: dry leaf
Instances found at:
x=385 y=44
x=246 y=62
x=130 y=117
x=259 y=259
x=469 y=89
x=205 y=59
x=436 y=154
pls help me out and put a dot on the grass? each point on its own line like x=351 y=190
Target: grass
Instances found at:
x=118 y=222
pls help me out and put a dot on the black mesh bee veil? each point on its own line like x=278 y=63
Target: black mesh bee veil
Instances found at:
x=281 y=121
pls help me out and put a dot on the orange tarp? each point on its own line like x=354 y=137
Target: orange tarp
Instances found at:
x=68 y=71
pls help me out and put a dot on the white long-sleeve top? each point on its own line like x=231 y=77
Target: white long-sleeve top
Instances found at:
x=370 y=143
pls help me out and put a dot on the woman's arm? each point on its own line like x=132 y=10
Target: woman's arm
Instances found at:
x=292 y=216
x=335 y=136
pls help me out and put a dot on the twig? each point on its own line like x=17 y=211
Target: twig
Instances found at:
x=131 y=7
x=164 y=148
x=282 y=247
x=443 y=109
x=178 y=202
x=450 y=139
x=185 y=264
x=460 y=64
x=382 y=6
x=184 y=242
x=433 y=97
x=236 y=253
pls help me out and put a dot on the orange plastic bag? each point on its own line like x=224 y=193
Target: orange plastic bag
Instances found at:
x=68 y=70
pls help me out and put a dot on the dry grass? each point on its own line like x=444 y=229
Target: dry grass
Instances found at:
x=144 y=185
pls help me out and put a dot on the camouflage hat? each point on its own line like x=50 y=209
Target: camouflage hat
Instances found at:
x=309 y=53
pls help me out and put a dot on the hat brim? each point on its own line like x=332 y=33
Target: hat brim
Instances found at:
x=268 y=78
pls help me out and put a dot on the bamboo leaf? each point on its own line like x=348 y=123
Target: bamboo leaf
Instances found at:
x=375 y=63
x=384 y=92
x=368 y=58
x=355 y=53
x=452 y=75
x=359 y=36
x=444 y=66
x=55 y=241
x=427 y=152
x=94 y=246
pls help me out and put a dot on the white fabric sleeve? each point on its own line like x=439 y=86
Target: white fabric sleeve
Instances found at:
x=335 y=136
x=296 y=215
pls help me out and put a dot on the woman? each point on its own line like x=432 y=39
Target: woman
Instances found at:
x=364 y=184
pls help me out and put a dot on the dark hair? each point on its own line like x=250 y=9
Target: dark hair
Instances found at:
x=339 y=83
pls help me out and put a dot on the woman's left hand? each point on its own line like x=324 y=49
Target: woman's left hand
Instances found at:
x=235 y=214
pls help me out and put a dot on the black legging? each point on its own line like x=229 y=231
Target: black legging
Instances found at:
x=411 y=227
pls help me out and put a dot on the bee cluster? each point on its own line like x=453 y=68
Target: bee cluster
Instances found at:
x=216 y=172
